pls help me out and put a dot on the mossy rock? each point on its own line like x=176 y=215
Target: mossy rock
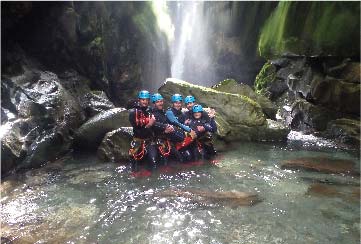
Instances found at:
x=266 y=76
x=232 y=86
x=312 y=28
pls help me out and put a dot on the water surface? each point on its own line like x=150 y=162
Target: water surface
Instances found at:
x=79 y=200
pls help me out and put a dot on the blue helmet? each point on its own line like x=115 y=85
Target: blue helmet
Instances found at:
x=189 y=99
x=156 y=97
x=176 y=98
x=197 y=108
x=144 y=94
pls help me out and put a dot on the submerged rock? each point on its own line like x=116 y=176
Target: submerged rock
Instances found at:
x=322 y=164
x=348 y=193
x=91 y=133
x=232 y=86
x=115 y=145
x=228 y=198
x=238 y=117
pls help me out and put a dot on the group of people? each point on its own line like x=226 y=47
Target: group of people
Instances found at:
x=159 y=135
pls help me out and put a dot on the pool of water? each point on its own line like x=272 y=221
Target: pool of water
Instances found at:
x=80 y=200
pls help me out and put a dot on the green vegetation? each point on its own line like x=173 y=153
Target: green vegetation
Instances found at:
x=265 y=76
x=312 y=28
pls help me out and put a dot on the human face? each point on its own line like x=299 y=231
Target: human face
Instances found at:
x=159 y=104
x=197 y=115
x=143 y=102
x=177 y=105
x=189 y=106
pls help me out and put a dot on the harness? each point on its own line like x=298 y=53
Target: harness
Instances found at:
x=186 y=142
x=141 y=119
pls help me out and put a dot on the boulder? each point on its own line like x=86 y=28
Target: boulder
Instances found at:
x=115 y=145
x=322 y=164
x=345 y=130
x=96 y=102
x=91 y=133
x=46 y=115
x=309 y=117
x=232 y=86
x=238 y=117
x=337 y=94
x=12 y=145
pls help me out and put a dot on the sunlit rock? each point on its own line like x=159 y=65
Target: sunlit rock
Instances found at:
x=232 y=86
x=115 y=145
x=227 y=198
x=91 y=133
x=322 y=164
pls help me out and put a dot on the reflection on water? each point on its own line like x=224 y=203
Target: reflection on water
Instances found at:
x=81 y=201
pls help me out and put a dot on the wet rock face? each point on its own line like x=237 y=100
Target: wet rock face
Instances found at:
x=114 y=44
x=312 y=91
x=345 y=130
x=91 y=133
x=115 y=145
x=324 y=165
x=47 y=114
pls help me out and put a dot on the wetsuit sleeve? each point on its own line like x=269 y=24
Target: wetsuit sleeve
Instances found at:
x=211 y=126
x=159 y=126
x=173 y=120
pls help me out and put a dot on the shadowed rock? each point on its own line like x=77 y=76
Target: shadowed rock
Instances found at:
x=91 y=133
x=232 y=199
x=322 y=164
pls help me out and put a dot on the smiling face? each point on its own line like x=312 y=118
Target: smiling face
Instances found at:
x=177 y=105
x=197 y=115
x=159 y=104
x=189 y=106
x=143 y=102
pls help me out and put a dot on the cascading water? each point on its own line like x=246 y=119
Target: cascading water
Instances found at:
x=191 y=54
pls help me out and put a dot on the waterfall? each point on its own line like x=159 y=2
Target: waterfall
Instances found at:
x=190 y=53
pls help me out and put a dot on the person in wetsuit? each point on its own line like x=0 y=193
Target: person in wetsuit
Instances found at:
x=143 y=144
x=176 y=118
x=204 y=127
x=190 y=101
x=165 y=132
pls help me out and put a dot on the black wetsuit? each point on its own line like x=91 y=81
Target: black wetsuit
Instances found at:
x=141 y=132
x=161 y=118
x=205 y=137
x=176 y=136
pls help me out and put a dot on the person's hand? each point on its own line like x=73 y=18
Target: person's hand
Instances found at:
x=200 y=128
x=193 y=134
x=187 y=122
x=169 y=129
x=151 y=122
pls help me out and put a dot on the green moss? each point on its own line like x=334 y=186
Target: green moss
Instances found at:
x=312 y=28
x=265 y=76
x=224 y=83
